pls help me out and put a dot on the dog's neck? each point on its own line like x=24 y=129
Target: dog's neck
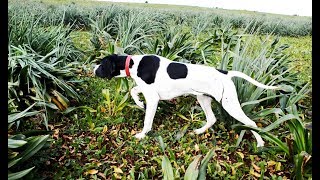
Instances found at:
x=128 y=59
x=121 y=63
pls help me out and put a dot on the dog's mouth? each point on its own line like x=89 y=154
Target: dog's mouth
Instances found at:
x=99 y=71
x=95 y=67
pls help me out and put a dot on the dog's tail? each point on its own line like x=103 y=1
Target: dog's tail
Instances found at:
x=248 y=78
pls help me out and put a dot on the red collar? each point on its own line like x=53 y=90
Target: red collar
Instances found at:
x=127 y=65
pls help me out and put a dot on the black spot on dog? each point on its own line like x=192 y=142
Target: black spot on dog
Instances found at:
x=177 y=70
x=147 y=68
x=222 y=71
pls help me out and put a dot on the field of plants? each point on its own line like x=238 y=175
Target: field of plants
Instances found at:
x=63 y=123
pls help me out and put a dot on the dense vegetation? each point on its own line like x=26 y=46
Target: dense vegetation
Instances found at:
x=65 y=124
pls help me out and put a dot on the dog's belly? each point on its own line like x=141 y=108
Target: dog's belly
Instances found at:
x=176 y=88
x=167 y=95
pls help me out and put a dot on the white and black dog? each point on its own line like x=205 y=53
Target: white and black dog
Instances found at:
x=158 y=78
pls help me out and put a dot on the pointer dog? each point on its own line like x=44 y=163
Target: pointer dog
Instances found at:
x=158 y=78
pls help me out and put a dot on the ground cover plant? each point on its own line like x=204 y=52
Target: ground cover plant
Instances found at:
x=63 y=123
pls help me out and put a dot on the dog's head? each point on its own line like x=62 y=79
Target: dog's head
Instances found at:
x=107 y=67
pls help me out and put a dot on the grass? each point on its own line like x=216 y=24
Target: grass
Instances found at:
x=300 y=51
x=94 y=145
x=81 y=40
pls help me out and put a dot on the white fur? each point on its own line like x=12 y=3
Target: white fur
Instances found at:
x=200 y=81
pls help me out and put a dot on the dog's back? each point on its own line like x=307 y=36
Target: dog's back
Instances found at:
x=174 y=79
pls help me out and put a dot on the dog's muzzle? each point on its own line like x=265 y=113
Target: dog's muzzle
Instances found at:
x=95 y=67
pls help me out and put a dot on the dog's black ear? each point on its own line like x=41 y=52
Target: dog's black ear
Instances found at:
x=112 y=57
x=109 y=65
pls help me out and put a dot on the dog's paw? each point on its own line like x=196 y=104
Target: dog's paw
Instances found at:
x=140 y=135
x=199 y=131
x=140 y=104
x=260 y=144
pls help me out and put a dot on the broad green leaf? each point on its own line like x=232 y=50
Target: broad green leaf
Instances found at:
x=70 y=109
x=18 y=137
x=18 y=175
x=246 y=127
x=286 y=88
x=192 y=171
x=240 y=138
x=106 y=95
x=132 y=173
x=34 y=146
x=276 y=141
x=49 y=54
x=162 y=145
x=13 y=162
x=62 y=99
x=122 y=103
x=299 y=164
x=204 y=164
x=259 y=100
x=267 y=136
x=16 y=116
x=278 y=122
x=167 y=169
x=12 y=143
x=266 y=112
x=47 y=104
x=183 y=117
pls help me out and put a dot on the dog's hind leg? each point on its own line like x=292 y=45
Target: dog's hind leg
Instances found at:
x=152 y=99
x=205 y=103
x=231 y=104
x=135 y=96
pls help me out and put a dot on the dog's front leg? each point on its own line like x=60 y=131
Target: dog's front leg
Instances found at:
x=152 y=100
x=135 y=96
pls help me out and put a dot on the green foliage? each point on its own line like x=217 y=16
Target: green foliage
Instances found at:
x=298 y=143
x=21 y=149
x=79 y=15
x=288 y=111
x=167 y=169
x=192 y=171
x=196 y=170
x=36 y=77
x=132 y=29
x=172 y=44
x=300 y=53
x=41 y=63
x=115 y=104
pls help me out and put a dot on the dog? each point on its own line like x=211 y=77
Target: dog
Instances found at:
x=159 y=78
